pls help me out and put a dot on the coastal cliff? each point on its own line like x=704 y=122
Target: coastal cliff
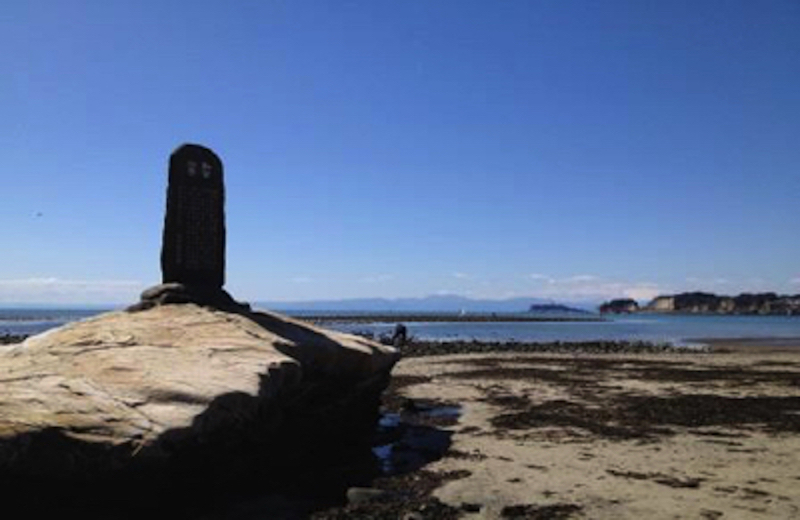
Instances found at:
x=708 y=303
x=619 y=306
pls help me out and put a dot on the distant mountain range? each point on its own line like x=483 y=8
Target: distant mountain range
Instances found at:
x=437 y=303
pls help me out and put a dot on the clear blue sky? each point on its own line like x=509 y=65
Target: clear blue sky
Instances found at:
x=561 y=149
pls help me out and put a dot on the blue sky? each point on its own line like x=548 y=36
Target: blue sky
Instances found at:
x=561 y=149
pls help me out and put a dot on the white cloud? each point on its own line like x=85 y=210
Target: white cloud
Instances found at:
x=302 y=279
x=795 y=281
x=643 y=292
x=582 y=287
x=581 y=278
x=574 y=279
x=462 y=276
x=378 y=278
x=722 y=285
x=697 y=282
x=57 y=290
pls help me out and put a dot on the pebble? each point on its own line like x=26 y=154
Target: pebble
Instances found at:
x=435 y=348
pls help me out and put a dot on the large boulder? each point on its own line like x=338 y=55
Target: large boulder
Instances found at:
x=127 y=391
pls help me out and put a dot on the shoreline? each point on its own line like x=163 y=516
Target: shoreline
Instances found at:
x=607 y=435
x=423 y=348
x=751 y=345
x=441 y=318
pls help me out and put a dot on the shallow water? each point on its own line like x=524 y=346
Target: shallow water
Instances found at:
x=404 y=442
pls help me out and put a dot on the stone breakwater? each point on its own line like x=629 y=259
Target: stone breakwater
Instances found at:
x=444 y=318
x=439 y=348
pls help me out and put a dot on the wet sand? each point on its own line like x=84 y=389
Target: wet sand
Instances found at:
x=752 y=345
x=611 y=435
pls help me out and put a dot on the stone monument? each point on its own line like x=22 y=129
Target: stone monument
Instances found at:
x=193 y=247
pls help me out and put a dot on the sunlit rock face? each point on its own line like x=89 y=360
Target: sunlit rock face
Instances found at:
x=708 y=303
x=126 y=390
x=662 y=304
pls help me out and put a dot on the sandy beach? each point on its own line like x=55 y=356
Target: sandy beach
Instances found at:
x=644 y=435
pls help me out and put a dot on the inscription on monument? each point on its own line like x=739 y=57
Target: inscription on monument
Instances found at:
x=193 y=250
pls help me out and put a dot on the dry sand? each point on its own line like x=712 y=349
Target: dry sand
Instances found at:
x=705 y=435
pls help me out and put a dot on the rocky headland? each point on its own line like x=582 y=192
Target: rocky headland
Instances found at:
x=709 y=303
x=619 y=306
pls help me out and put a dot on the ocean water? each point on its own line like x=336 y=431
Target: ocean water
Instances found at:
x=677 y=329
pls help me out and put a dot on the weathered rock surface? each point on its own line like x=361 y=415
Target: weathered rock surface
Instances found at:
x=176 y=292
x=140 y=389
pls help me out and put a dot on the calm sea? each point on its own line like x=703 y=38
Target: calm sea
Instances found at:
x=657 y=328
x=33 y=321
x=681 y=330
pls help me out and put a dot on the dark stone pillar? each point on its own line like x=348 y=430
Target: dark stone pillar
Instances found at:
x=193 y=248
